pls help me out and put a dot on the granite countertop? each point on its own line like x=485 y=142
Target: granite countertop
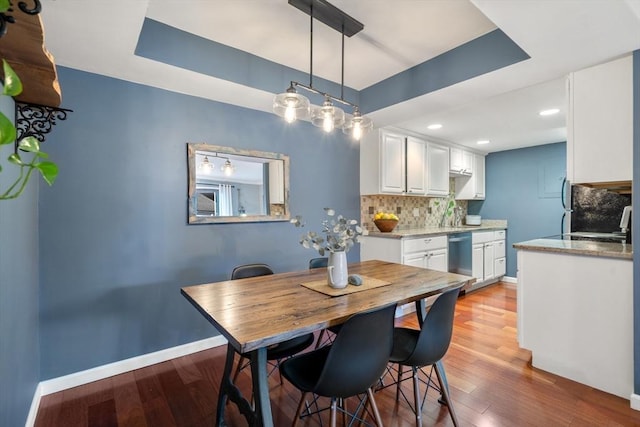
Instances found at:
x=399 y=233
x=579 y=247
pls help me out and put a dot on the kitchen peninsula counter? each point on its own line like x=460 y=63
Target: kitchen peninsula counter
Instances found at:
x=579 y=247
x=575 y=310
x=399 y=233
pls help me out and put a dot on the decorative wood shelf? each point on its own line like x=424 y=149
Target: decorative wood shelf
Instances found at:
x=23 y=48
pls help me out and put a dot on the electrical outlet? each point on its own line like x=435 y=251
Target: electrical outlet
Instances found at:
x=371 y=210
x=398 y=210
x=416 y=212
x=429 y=210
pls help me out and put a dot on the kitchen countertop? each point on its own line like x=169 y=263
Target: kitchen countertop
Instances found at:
x=400 y=233
x=579 y=247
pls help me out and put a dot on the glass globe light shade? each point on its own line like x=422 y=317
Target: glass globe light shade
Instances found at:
x=327 y=117
x=291 y=105
x=206 y=166
x=227 y=168
x=357 y=125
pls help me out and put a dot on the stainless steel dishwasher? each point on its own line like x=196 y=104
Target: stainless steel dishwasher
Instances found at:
x=460 y=253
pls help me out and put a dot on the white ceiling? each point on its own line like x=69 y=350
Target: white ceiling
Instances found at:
x=561 y=36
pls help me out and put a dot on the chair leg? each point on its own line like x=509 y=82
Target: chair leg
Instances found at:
x=241 y=362
x=444 y=387
x=399 y=381
x=299 y=409
x=374 y=407
x=334 y=403
x=416 y=396
x=322 y=332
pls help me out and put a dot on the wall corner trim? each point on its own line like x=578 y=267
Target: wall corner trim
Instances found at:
x=105 y=371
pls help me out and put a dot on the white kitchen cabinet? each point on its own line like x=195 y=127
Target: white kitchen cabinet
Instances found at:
x=424 y=252
x=276 y=182
x=460 y=162
x=488 y=259
x=392 y=163
x=437 y=179
x=576 y=311
x=415 y=165
x=600 y=123
x=472 y=187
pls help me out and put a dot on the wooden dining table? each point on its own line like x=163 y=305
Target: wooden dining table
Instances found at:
x=254 y=313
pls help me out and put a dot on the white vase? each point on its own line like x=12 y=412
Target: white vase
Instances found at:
x=337 y=275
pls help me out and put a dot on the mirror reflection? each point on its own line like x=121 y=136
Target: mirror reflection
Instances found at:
x=233 y=185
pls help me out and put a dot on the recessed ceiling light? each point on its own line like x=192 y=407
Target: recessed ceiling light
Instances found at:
x=483 y=141
x=434 y=126
x=549 y=112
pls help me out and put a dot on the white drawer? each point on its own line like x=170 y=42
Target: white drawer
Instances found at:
x=424 y=243
x=499 y=235
x=499 y=267
x=499 y=249
x=482 y=237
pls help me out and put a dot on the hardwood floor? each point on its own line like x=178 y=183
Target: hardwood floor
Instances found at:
x=492 y=384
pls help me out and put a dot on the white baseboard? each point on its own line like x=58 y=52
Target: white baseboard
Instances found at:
x=509 y=279
x=635 y=401
x=55 y=385
x=35 y=404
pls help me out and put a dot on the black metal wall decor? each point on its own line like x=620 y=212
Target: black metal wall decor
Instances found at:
x=36 y=120
x=7 y=16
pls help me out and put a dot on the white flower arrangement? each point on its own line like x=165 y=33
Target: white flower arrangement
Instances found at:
x=340 y=233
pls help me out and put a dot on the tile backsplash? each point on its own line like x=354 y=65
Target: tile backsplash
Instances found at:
x=412 y=211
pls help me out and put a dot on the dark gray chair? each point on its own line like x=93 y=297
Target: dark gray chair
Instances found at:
x=318 y=263
x=278 y=351
x=417 y=349
x=348 y=367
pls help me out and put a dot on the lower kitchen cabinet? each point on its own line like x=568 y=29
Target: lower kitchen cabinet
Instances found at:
x=424 y=252
x=488 y=259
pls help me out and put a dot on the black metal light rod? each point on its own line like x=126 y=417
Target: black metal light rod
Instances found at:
x=325 y=94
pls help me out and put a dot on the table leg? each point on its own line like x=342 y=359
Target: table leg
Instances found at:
x=261 y=387
x=225 y=385
x=421 y=310
x=228 y=390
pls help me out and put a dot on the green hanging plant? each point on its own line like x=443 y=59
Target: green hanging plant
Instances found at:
x=30 y=146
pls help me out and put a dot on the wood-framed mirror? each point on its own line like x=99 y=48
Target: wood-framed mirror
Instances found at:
x=229 y=185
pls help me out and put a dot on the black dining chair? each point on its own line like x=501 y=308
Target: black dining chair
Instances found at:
x=321 y=262
x=348 y=367
x=417 y=349
x=276 y=352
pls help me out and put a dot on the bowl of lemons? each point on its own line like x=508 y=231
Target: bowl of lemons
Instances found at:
x=385 y=221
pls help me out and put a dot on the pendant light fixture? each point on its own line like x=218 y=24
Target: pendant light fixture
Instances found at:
x=292 y=106
x=206 y=166
x=227 y=168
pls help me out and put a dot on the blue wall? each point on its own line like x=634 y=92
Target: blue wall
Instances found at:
x=19 y=329
x=115 y=246
x=523 y=187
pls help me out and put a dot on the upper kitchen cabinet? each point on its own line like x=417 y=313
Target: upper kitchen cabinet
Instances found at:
x=460 y=162
x=472 y=187
x=416 y=152
x=437 y=171
x=392 y=163
x=599 y=125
